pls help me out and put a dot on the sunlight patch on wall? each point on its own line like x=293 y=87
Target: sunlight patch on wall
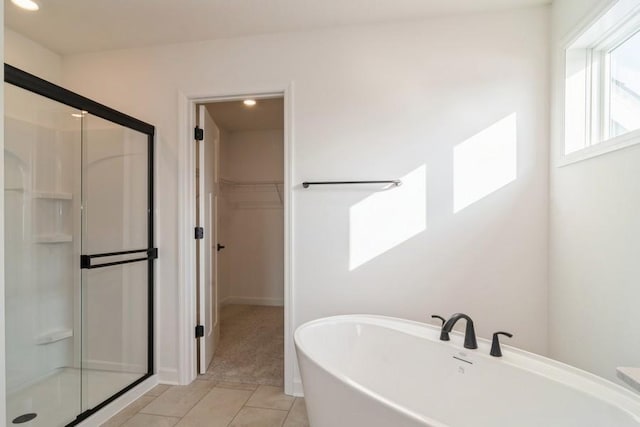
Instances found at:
x=386 y=219
x=484 y=163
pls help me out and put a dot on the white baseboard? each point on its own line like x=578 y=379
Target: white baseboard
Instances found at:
x=120 y=403
x=279 y=302
x=297 y=388
x=168 y=376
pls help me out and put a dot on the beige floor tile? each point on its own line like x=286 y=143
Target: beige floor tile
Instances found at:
x=128 y=412
x=238 y=386
x=178 y=400
x=157 y=390
x=258 y=417
x=297 y=415
x=270 y=397
x=217 y=408
x=146 y=420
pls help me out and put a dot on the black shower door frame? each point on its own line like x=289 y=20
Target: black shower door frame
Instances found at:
x=24 y=80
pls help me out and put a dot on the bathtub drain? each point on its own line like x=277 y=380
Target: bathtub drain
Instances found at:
x=24 y=418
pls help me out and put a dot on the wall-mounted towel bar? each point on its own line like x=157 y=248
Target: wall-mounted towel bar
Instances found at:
x=395 y=182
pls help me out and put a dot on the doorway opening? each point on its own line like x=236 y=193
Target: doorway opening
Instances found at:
x=240 y=240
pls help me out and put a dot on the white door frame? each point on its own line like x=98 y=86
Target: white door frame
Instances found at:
x=186 y=224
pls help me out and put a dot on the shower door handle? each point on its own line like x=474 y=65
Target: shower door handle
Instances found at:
x=85 y=260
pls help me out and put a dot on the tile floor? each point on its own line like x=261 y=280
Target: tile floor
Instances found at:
x=243 y=386
x=207 y=403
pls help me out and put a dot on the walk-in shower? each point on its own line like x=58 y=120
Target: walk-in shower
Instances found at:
x=79 y=252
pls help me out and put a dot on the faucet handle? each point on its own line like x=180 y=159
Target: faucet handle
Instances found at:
x=495 y=344
x=435 y=316
x=444 y=336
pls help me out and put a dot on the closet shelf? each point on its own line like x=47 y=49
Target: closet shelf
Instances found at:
x=52 y=195
x=54 y=238
x=256 y=205
x=252 y=194
x=54 y=336
x=247 y=186
x=233 y=182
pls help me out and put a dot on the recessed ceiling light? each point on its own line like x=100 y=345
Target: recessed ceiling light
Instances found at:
x=249 y=102
x=26 y=4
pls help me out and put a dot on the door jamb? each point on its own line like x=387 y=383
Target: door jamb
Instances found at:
x=186 y=222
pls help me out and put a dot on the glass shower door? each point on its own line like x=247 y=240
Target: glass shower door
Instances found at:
x=78 y=253
x=115 y=261
x=42 y=248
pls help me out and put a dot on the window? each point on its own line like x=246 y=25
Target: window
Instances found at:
x=602 y=84
x=624 y=87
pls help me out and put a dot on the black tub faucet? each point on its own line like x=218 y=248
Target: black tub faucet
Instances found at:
x=495 y=344
x=444 y=336
x=470 y=332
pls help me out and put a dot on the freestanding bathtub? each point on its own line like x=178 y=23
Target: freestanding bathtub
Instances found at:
x=373 y=371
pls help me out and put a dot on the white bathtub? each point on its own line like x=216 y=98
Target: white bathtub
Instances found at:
x=373 y=371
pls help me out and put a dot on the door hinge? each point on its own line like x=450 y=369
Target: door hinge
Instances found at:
x=199 y=331
x=198 y=133
x=199 y=233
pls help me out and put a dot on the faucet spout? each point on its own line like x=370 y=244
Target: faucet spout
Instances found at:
x=470 y=332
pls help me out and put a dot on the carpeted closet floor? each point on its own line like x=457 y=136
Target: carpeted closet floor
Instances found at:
x=251 y=347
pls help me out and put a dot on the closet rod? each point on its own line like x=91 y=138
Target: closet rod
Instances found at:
x=395 y=182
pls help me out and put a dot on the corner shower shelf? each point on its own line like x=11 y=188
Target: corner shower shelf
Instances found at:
x=52 y=195
x=54 y=336
x=54 y=238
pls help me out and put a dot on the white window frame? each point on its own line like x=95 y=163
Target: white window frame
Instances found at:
x=594 y=43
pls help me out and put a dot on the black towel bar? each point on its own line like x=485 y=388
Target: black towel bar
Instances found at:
x=395 y=182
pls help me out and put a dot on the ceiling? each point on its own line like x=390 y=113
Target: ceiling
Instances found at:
x=234 y=116
x=75 y=26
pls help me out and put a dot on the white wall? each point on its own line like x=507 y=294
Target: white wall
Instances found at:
x=224 y=219
x=372 y=102
x=594 y=241
x=252 y=264
x=253 y=155
x=31 y=57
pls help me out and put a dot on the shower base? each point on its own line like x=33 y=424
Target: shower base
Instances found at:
x=57 y=398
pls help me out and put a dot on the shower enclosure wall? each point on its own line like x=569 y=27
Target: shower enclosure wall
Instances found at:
x=79 y=252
